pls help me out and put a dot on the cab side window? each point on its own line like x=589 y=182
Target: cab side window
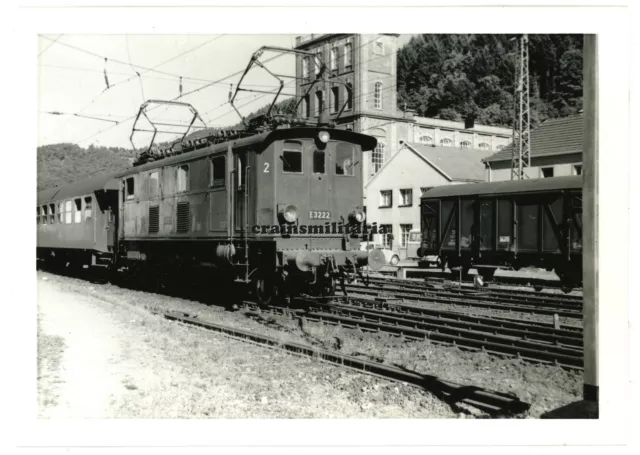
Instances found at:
x=217 y=172
x=130 y=188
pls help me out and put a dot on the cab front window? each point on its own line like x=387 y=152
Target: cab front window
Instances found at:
x=292 y=157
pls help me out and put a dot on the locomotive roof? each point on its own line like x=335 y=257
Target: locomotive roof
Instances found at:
x=107 y=180
x=509 y=186
x=261 y=142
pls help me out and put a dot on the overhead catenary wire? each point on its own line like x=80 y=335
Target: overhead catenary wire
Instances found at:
x=50 y=44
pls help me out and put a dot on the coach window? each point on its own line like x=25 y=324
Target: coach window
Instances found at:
x=60 y=212
x=130 y=188
x=45 y=215
x=292 y=157
x=88 y=208
x=182 y=178
x=344 y=159
x=38 y=215
x=52 y=213
x=217 y=171
x=68 y=212
x=318 y=162
x=154 y=185
x=78 y=212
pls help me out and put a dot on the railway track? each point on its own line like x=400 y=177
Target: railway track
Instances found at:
x=478 y=300
x=539 y=343
x=491 y=402
x=467 y=289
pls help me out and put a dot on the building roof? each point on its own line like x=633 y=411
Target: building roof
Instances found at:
x=456 y=164
x=559 y=136
x=505 y=187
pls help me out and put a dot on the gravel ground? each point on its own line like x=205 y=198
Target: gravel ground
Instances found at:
x=102 y=355
x=545 y=387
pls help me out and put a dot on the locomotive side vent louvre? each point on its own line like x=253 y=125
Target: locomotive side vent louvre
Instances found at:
x=154 y=219
x=183 y=217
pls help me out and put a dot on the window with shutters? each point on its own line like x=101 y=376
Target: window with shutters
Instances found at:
x=182 y=178
x=349 y=90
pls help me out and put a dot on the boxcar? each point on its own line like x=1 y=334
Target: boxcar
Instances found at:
x=516 y=224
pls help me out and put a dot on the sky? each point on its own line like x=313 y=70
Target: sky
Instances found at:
x=71 y=80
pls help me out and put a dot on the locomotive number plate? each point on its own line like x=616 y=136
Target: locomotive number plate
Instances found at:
x=319 y=215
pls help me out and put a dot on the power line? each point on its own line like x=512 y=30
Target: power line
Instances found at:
x=139 y=77
x=50 y=44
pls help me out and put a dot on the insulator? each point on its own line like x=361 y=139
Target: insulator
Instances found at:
x=106 y=79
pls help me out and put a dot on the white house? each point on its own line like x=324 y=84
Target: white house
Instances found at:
x=392 y=196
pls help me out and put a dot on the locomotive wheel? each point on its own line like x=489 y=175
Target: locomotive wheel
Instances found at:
x=267 y=289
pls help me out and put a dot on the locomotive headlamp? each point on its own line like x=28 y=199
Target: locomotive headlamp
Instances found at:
x=357 y=216
x=324 y=137
x=290 y=213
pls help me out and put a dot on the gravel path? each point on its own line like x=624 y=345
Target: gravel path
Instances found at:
x=101 y=355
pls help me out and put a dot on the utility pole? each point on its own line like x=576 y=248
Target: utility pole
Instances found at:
x=590 y=218
x=521 y=152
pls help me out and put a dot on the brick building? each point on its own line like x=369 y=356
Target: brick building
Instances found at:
x=556 y=150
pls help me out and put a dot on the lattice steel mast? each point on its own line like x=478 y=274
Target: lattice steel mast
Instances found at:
x=521 y=152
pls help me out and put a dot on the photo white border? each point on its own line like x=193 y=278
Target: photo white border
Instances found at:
x=612 y=24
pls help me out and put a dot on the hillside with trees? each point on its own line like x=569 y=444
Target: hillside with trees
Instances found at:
x=454 y=77
x=59 y=164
